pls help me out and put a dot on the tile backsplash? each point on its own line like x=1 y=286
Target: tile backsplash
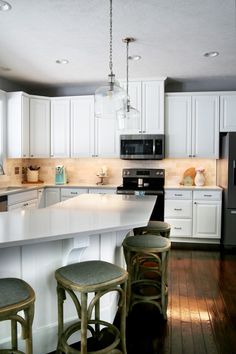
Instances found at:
x=85 y=170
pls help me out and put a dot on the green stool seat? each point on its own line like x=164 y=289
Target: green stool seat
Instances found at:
x=147 y=258
x=159 y=228
x=15 y=296
x=96 y=277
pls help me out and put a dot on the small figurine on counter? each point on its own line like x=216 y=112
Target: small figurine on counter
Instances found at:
x=103 y=173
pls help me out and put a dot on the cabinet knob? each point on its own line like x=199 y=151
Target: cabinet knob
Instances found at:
x=189 y=155
x=51 y=155
x=24 y=155
x=31 y=155
x=140 y=131
x=144 y=131
x=194 y=156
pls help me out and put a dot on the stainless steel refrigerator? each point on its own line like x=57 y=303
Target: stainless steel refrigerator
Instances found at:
x=226 y=178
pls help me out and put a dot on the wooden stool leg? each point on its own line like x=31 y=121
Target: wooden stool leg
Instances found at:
x=97 y=316
x=84 y=322
x=123 y=319
x=29 y=316
x=60 y=300
x=14 y=334
x=163 y=284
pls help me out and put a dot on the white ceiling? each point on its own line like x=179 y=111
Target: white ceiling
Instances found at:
x=172 y=36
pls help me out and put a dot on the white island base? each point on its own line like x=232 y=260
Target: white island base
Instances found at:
x=35 y=243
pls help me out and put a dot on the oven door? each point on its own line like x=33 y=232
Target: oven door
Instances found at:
x=158 y=210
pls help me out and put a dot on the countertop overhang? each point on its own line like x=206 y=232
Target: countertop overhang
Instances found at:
x=83 y=215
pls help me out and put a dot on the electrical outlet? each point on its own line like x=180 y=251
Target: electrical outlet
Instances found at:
x=17 y=170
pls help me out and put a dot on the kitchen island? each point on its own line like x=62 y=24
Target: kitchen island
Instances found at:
x=35 y=242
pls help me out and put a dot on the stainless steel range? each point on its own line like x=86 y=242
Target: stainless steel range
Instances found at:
x=145 y=181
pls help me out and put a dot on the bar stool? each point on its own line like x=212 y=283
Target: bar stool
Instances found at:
x=16 y=295
x=96 y=277
x=160 y=228
x=141 y=286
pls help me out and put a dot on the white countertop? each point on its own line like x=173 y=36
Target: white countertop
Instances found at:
x=85 y=214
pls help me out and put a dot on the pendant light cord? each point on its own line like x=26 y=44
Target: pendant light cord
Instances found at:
x=110 y=57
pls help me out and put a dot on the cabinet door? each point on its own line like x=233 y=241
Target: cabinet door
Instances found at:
x=206 y=219
x=205 y=126
x=39 y=127
x=60 y=127
x=153 y=107
x=227 y=113
x=17 y=125
x=82 y=126
x=52 y=196
x=135 y=94
x=106 y=138
x=178 y=126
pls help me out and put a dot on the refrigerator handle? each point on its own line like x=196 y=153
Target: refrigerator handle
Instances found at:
x=234 y=172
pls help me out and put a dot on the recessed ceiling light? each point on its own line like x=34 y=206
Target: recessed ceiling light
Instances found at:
x=211 y=54
x=134 y=57
x=4 y=6
x=62 y=61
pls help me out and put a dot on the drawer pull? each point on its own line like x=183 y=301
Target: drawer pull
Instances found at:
x=178 y=209
x=207 y=195
x=26 y=204
x=178 y=228
x=73 y=192
x=178 y=195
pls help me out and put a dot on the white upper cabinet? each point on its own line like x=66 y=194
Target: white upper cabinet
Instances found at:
x=152 y=107
x=178 y=126
x=82 y=126
x=17 y=125
x=39 y=127
x=205 y=126
x=60 y=127
x=148 y=98
x=106 y=138
x=228 y=112
x=192 y=125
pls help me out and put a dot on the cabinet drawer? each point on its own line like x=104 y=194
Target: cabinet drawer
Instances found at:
x=72 y=192
x=180 y=227
x=207 y=195
x=102 y=191
x=178 y=194
x=22 y=197
x=178 y=209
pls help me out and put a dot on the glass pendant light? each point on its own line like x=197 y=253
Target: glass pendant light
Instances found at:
x=128 y=119
x=111 y=97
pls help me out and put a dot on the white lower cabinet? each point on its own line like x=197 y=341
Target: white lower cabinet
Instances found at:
x=41 y=198
x=52 y=196
x=194 y=216
x=23 y=200
x=67 y=193
x=207 y=214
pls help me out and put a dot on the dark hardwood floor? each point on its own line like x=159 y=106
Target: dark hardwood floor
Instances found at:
x=201 y=309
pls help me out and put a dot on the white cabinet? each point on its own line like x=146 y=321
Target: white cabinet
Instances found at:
x=67 y=193
x=41 y=198
x=192 y=125
x=39 y=127
x=148 y=98
x=17 y=125
x=52 y=196
x=207 y=214
x=106 y=138
x=23 y=200
x=102 y=190
x=194 y=216
x=178 y=212
x=228 y=112
x=82 y=126
x=60 y=127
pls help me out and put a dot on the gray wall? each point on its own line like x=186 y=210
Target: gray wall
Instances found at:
x=210 y=84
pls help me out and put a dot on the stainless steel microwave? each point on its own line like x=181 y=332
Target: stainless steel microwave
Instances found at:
x=142 y=147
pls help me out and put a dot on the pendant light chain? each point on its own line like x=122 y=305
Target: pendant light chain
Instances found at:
x=127 y=69
x=110 y=58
